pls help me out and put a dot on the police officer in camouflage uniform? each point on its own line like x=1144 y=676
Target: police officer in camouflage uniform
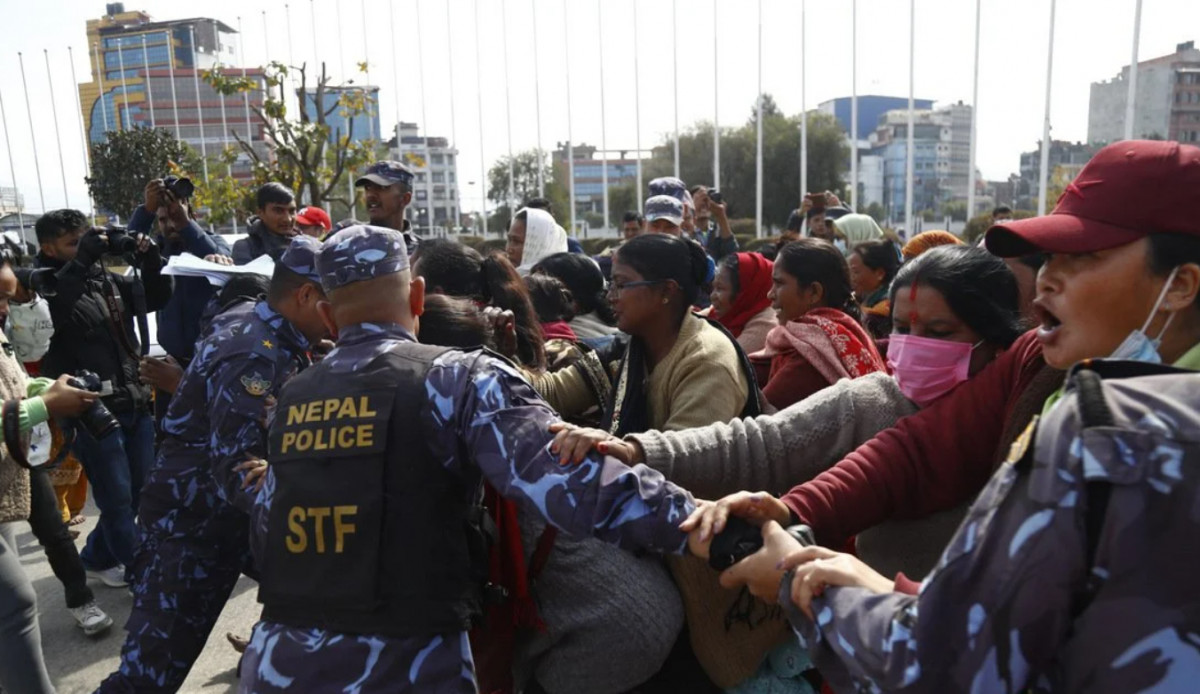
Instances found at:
x=368 y=528
x=387 y=192
x=193 y=519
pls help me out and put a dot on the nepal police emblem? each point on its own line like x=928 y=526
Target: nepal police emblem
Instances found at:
x=256 y=385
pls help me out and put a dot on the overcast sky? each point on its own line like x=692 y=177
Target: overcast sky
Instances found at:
x=1093 y=43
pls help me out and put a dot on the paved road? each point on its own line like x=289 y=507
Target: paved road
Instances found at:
x=78 y=663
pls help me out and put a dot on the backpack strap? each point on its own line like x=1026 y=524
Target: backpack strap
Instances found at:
x=1094 y=412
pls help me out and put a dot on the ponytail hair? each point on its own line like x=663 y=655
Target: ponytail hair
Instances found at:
x=816 y=261
x=456 y=270
x=663 y=257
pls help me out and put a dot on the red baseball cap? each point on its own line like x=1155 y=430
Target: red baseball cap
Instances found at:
x=314 y=216
x=1129 y=190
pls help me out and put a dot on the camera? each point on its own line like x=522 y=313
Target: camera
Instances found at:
x=181 y=188
x=43 y=281
x=98 y=421
x=715 y=196
x=119 y=240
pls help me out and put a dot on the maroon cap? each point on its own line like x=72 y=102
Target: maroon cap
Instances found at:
x=1127 y=191
x=314 y=217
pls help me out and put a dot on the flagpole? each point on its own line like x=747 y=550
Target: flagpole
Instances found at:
x=908 y=164
x=13 y=171
x=149 y=90
x=758 y=159
x=716 y=104
x=312 y=16
x=637 y=109
x=287 y=18
x=537 y=100
x=199 y=108
x=224 y=122
x=395 y=64
x=675 y=75
x=245 y=94
x=453 y=121
x=1131 y=97
x=124 y=91
x=512 y=184
x=62 y=166
x=367 y=92
x=100 y=79
x=570 y=142
x=429 y=209
x=603 y=128
x=803 y=106
x=854 y=105
x=1044 y=167
x=483 y=181
x=83 y=140
x=32 y=139
x=974 y=117
x=171 y=77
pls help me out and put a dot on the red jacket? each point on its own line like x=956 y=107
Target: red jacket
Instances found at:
x=934 y=460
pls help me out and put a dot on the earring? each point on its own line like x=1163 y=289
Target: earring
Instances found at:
x=665 y=300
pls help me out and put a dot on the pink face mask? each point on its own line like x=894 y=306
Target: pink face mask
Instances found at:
x=926 y=369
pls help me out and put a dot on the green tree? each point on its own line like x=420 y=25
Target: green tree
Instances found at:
x=525 y=175
x=303 y=156
x=621 y=199
x=876 y=212
x=127 y=160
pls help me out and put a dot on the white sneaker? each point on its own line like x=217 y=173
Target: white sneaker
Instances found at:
x=113 y=578
x=91 y=618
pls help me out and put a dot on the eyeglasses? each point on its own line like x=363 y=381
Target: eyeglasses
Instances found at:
x=615 y=288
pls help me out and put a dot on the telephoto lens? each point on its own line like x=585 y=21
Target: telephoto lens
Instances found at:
x=97 y=419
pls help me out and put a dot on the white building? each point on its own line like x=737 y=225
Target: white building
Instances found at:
x=441 y=170
x=1168 y=100
x=11 y=201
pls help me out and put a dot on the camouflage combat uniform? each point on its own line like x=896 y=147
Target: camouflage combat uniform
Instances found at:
x=1014 y=604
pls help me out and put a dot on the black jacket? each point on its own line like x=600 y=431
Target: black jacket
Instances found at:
x=259 y=240
x=88 y=336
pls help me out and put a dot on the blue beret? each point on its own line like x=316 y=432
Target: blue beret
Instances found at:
x=301 y=257
x=386 y=173
x=361 y=252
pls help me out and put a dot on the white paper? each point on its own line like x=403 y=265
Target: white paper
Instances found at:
x=188 y=265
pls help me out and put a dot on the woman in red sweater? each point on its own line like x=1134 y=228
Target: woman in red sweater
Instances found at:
x=819 y=340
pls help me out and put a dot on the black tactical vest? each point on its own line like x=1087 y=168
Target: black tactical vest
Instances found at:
x=368 y=533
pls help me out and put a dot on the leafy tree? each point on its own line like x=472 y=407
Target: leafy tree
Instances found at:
x=303 y=155
x=621 y=199
x=525 y=175
x=979 y=224
x=876 y=212
x=127 y=160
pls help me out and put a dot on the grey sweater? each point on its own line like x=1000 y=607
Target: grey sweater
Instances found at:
x=776 y=452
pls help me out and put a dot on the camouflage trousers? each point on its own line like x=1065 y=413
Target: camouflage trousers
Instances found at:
x=181 y=584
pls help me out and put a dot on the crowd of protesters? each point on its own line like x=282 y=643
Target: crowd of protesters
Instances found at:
x=843 y=460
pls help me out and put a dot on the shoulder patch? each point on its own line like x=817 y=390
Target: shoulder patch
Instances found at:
x=256 y=385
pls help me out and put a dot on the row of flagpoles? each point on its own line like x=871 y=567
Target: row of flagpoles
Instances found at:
x=511 y=192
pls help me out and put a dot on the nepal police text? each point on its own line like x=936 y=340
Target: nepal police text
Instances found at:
x=338 y=435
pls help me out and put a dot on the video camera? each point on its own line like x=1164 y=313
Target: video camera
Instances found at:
x=119 y=240
x=181 y=188
x=43 y=280
x=97 y=419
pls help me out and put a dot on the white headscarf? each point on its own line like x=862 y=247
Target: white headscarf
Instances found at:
x=543 y=238
x=858 y=228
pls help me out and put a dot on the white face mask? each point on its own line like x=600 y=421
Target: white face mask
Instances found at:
x=1139 y=346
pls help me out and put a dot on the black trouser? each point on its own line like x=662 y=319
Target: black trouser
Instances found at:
x=55 y=538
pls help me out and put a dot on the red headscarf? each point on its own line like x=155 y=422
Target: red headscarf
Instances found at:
x=754 y=282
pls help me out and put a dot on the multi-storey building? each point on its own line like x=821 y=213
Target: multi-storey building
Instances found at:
x=360 y=127
x=941 y=158
x=437 y=174
x=1168 y=100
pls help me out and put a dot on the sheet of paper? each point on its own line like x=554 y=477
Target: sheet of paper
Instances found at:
x=188 y=265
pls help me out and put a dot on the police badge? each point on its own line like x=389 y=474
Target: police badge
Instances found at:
x=256 y=385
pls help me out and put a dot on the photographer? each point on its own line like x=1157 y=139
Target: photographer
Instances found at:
x=167 y=204
x=710 y=205
x=93 y=312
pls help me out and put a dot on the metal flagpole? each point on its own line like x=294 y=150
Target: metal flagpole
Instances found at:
x=199 y=108
x=854 y=105
x=100 y=79
x=1131 y=97
x=312 y=17
x=637 y=109
x=341 y=53
x=287 y=18
x=803 y=107
x=149 y=90
x=570 y=142
x=512 y=184
x=62 y=166
x=758 y=163
x=83 y=140
x=908 y=164
x=1044 y=169
x=171 y=77
x=716 y=104
x=13 y=171
x=675 y=74
x=245 y=94
x=367 y=62
x=452 y=195
x=537 y=101
x=124 y=89
x=483 y=182
x=395 y=64
x=974 y=118
x=603 y=129
x=224 y=122
x=32 y=139
x=429 y=209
